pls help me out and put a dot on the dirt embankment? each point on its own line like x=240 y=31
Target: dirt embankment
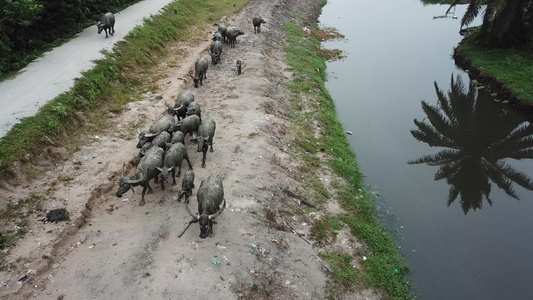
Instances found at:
x=114 y=249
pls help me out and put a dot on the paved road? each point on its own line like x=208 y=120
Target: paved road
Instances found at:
x=54 y=73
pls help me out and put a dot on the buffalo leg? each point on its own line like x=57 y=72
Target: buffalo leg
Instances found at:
x=150 y=190
x=141 y=203
x=204 y=151
x=211 y=147
x=188 y=161
x=179 y=174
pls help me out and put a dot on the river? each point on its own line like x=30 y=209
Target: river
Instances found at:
x=458 y=247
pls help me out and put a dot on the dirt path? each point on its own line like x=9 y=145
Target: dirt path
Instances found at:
x=114 y=249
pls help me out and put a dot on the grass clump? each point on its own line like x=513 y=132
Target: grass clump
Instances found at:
x=385 y=268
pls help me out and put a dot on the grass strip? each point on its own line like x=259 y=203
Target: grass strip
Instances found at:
x=385 y=268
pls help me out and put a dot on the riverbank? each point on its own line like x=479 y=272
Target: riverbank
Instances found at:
x=289 y=177
x=507 y=72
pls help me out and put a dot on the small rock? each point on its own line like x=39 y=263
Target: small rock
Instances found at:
x=300 y=232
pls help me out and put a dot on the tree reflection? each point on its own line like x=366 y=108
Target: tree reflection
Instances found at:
x=477 y=136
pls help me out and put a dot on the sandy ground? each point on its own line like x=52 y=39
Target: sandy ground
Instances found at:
x=114 y=249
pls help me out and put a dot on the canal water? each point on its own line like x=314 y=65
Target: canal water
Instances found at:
x=469 y=234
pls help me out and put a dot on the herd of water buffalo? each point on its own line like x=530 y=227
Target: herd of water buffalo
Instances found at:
x=163 y=145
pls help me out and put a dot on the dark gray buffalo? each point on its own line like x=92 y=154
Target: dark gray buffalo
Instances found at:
x=174 y=156
x=222 y=29
x=189 y=125
x=165 y=123
x=257 y=21
x=160 y=140
x=187 y=185
x=210 y=196
x=177 y=137
x=206 y=132
x=217 y=36
x=107 y=23
x=200 y=70
x=182 y=103
x=194 y=109
x=239 y=66
x=146 y=171
x=215 y=50
x=232 y=34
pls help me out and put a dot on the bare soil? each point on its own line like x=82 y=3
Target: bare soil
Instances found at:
x=112 y=248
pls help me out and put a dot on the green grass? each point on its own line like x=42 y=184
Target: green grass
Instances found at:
x=513 y=67
x=385 y=268
x=117 y=79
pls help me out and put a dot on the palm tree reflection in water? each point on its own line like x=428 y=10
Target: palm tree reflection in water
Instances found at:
x=477 y=135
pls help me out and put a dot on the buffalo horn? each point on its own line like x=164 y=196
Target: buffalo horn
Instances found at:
x=123 y=165
x=190 y=212
x=211 y=217
x=138 y=130
x=149 y=135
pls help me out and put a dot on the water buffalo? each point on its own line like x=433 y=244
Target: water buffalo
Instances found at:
x=189 y=125
x=194 y=109
x=165 y=123
x=187 y=185
x=215 y=50
x=147 y=169
x=210 y=196
x=206 y=131
x=177 y=137
x=174 y=156
x=222 y=29
x=180 y=107
x=107 y=23
x=239 y=66
x=257 y=21
x=217 y=36
x=232 y=34
x=200 y=70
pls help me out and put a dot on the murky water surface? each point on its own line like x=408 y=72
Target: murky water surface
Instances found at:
x=465 y=235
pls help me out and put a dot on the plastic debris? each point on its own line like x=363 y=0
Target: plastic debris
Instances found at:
x=329 y=268
x=396 y=270
x=215 y=262
x=349 y=132
x=364 y=258
x=237 y=209
x=254 y=246
x=85 y=157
